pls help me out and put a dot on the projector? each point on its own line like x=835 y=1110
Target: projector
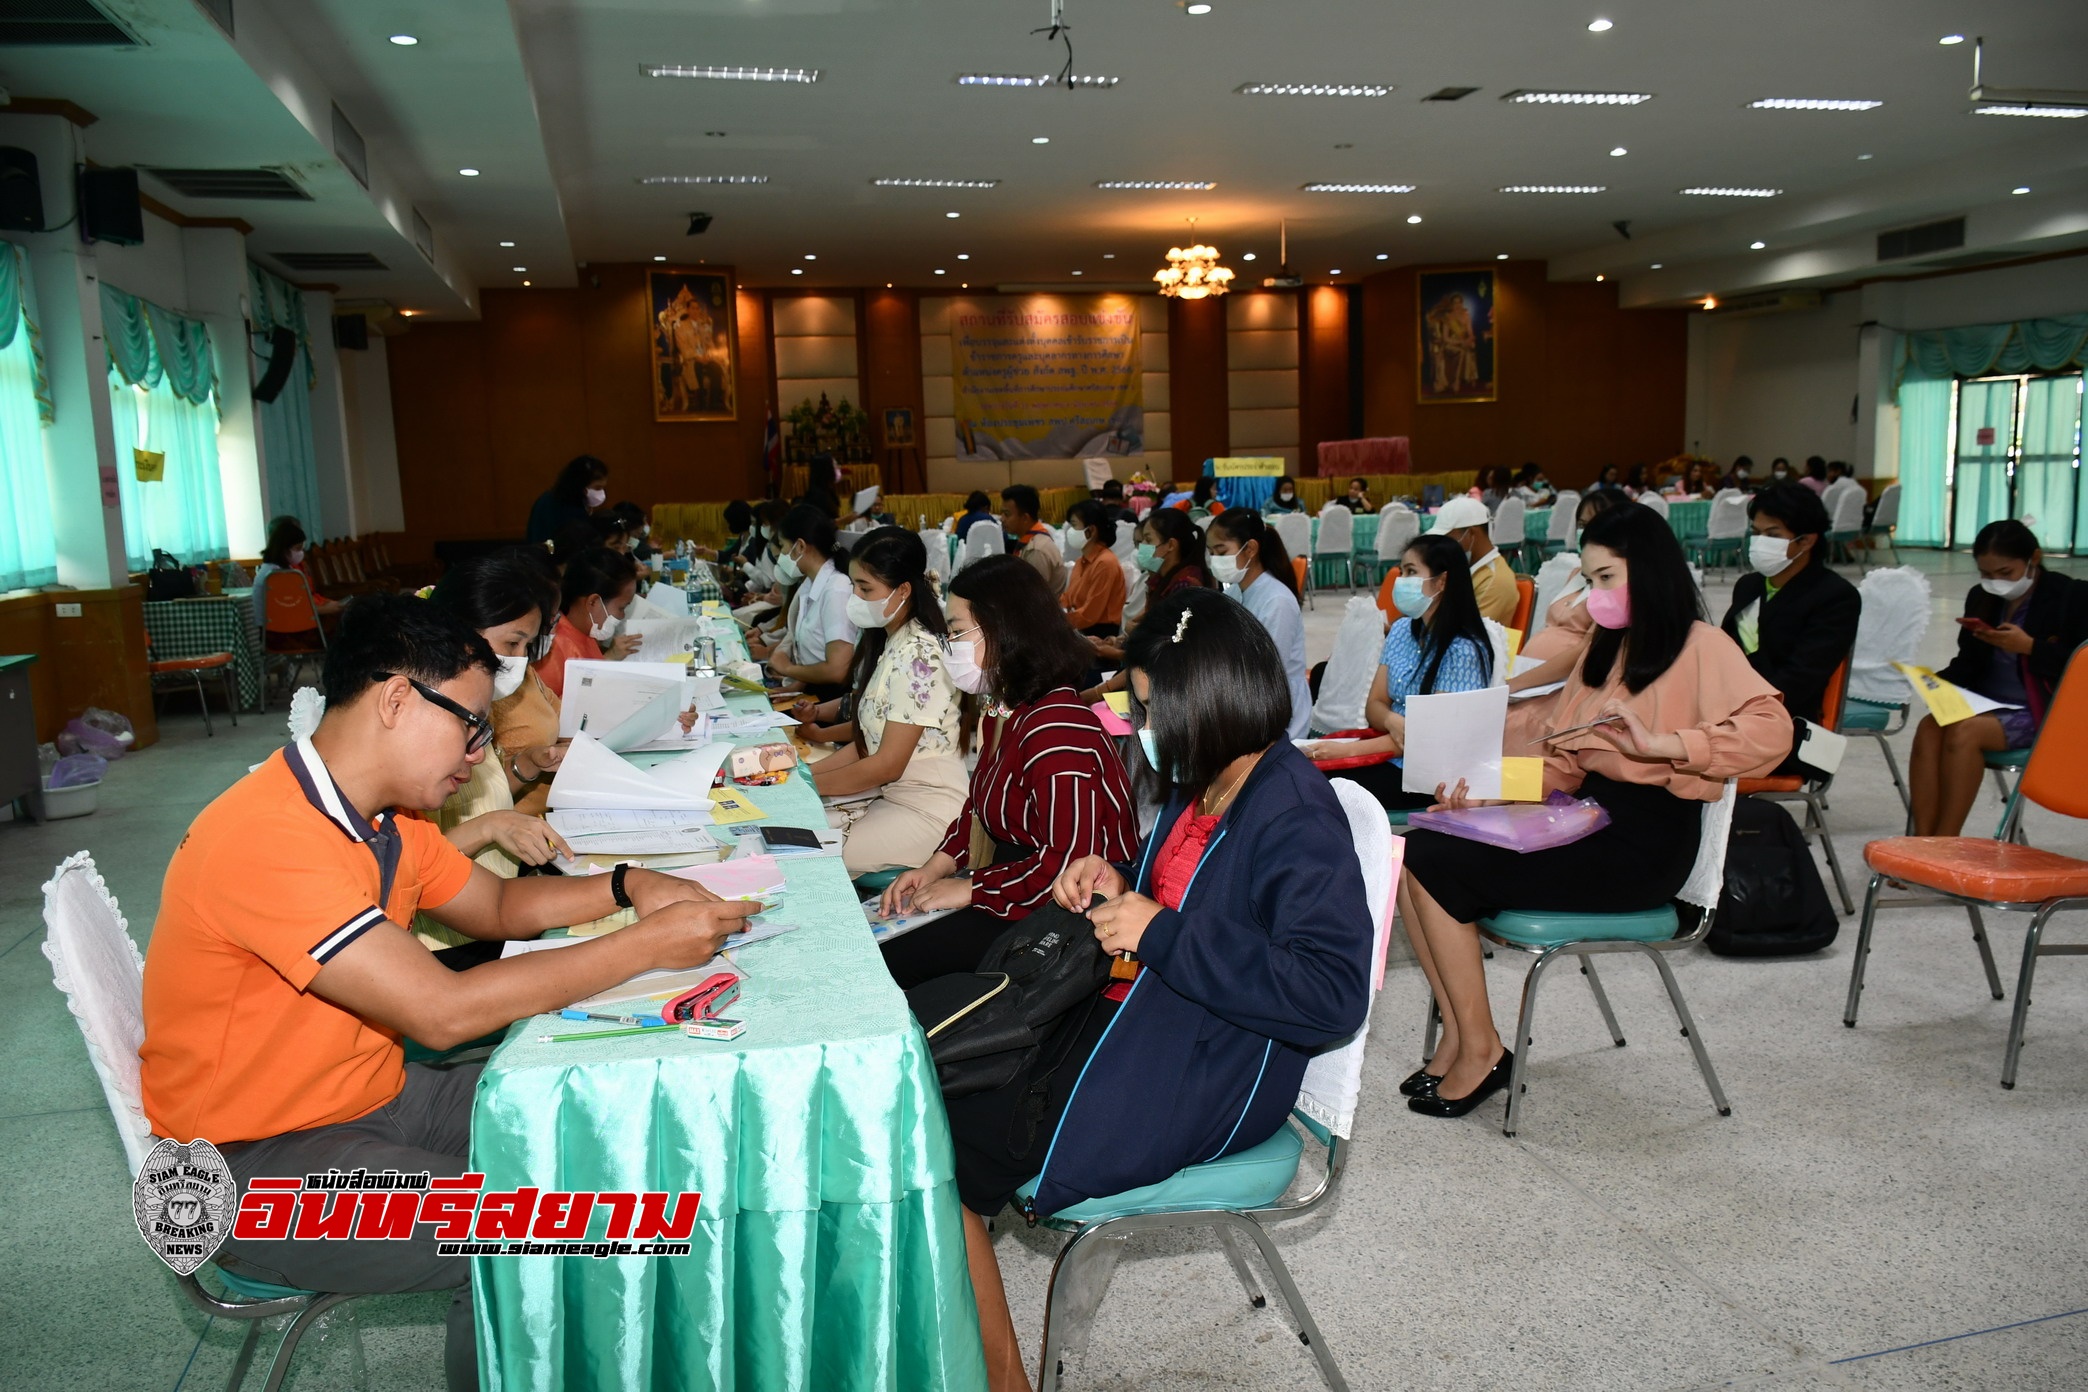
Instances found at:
x=1285 y=279
x=699 y=223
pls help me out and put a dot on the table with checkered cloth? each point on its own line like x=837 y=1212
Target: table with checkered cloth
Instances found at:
x=210 y=624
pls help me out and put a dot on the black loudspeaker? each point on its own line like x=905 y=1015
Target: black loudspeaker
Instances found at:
x=351 y=331
x=109 y=207
x=282 y=356
x=21 y=194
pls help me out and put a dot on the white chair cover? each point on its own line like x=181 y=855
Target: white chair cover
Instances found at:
x=1126 y=544
x=1894 y=622
x=983 y=540
x=1565 y=508
x=1656 y=502
x=1507 y=528
x=306 y=706
x=1337 y=531
x=1845 y=510
x=936 y=542
x=1296 y=530
x=1134 y=594
x=1097 y=472
x=1497 y=634
x=1728 y=517
x=1554 y=578
x=1334 y=1079
x=1887 y=512
x=1345 y=685
x=102 y=975
x=1707 y=875
x=1397 y=528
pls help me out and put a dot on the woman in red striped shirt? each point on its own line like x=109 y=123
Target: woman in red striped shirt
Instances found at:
x=1050 y=786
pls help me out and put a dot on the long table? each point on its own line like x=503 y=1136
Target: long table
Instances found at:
x=828 y=1251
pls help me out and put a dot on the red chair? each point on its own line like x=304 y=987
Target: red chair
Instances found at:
x=1525 y=603
x=193 y=668
x=291 y=634
x=1999 y=873
x=1813 y=793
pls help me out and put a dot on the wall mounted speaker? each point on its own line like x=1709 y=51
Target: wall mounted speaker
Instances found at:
x=352 y=331
x=282 y=356
x=109 y=207
x=21 y=193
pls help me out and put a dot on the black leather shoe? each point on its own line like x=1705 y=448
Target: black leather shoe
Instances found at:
x=1436 y=1105
x=1419 y=1083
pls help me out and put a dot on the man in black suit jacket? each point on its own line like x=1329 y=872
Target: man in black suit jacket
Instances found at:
x=1793 y=617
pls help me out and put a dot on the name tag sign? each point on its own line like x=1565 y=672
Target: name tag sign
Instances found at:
x=1248 y=466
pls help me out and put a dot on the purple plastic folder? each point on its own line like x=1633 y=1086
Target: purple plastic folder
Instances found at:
x=1559 y=820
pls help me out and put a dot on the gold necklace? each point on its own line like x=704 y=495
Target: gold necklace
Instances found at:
x=1213 y=809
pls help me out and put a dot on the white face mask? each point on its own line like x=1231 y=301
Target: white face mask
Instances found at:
x=1225 y=569
x=868 y=613
x=1769 y=555
x=597 y=496
x=2007 y=589
x=606 y=629
x=787 y=572
x=296 y=557
x=962 y=663
x=509 y=679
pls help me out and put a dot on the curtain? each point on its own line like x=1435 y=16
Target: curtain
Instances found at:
x=1977 y=350
x=286 y=422
x=1924 y=452
x=184 y=512
x=2046 y=474
x=1980 y=484
x=147 y=344
x=28 y=543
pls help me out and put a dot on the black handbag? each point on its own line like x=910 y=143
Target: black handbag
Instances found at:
x=1773 y=903
x=168 y=579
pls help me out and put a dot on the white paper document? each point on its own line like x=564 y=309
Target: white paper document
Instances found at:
x=1527 y=692
x=661 y=640
x=662 y=602
x=623 y=704
x=1448 y=737
x=864 y=498
x=633 y=833
x=1523 y=662
x=595 y=777
x=1982 y=705
x=759 y=723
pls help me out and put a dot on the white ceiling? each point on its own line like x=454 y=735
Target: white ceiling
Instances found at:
x=545 y=97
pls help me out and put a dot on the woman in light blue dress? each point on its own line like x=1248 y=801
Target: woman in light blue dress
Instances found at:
x=1248 y=559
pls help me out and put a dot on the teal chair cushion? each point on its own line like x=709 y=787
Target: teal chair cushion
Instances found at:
x=1542 y=928
x=877 y=880
x=1397 y=816
x=247 y=1288
x=1251 y=1178
x=2007 y=758
x=1859 y=714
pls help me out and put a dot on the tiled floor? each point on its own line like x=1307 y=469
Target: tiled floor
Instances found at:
x=1877 y=1213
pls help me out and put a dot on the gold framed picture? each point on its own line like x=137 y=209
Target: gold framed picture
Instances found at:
x=695 y=344
x=1456 y=358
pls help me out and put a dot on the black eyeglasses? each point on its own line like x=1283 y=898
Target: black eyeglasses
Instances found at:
x=479 y=730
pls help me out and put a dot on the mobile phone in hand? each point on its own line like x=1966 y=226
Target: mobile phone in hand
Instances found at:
x=1976 y=625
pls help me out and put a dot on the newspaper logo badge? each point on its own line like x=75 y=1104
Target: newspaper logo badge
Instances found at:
x=183 y=1200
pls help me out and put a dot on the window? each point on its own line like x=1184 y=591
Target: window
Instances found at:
x=183 y=513
x=2016 y=452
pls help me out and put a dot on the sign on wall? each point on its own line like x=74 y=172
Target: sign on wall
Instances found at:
x=1046 y=377
x=694 y=366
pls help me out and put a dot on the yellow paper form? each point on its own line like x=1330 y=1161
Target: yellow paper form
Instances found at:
x=730 y=806
x=1945 y=702
x=1515 y=642
x=1118 y=701
x=1522 y=779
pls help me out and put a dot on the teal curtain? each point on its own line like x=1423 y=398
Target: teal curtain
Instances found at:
x=2047 y=470
x=1924 y=456
x=286 y=422
x=184 y=512
x=1977 y=350
x=1980 y=484
x=274 y=301
x=147 y=343
x=28 y=542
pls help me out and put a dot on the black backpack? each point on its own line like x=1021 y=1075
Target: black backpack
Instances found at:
x=167 y=579
x=984 y=1027
x=1773 y=903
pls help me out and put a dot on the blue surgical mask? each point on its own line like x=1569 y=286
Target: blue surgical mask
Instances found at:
x=1151 y=745
x=1409 y=596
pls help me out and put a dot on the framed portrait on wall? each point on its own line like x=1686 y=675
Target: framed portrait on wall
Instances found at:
x=1457 y=359
x=695 y=344
x=899 y=428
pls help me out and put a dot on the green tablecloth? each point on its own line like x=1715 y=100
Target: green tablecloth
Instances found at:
x=1685 y=520
x=828 y=1252
x=210 y=624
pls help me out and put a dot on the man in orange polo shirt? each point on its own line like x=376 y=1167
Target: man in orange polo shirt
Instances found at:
x=280 y=981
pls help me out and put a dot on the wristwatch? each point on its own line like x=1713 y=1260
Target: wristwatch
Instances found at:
x=617 y=891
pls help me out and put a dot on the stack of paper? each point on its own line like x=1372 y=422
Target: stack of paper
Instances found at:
x=747 y=877
x=622 y=704
x=593 y=833
x=662 y=602
x=594 y=777
x=864 y=498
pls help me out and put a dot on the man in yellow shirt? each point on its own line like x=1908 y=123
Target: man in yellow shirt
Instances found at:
x=1465 y=521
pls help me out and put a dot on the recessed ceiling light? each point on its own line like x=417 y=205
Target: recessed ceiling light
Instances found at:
x=525 y=282
x=1617 y=150
x=404 y=40
x=1413 y=218
x=1577 y=98
x=2064 y=113
x=1035 y=80
x=1246 y=256
x=2020 y=188
x=1715 y=192
x=964 y=256
x=1863 y=157
x=1154 y=184
x=659 y=258
x=1111 y=256
x=1813 y=104
x=888 y=285
x=964 y=285
x=1357 y=188
x=1335 y=271
x=953 y=215
x=1951 y=39
x=1756 y=246
x=729 y=74
x=1076 y=273
x=507 y=244
x=937 y=183
x=1598 y=279
x=810 y=256
x=1599 y=26
x=654 y=179
x=1346 y=145
x=520 y=269
x=939 y=270
x=1554 y=188
x=1503 y=256
x=1656 y=265
x=1040 y=140
x=1314 y=89
x=1384 y=256
x=1197 y=9
x=468 y=172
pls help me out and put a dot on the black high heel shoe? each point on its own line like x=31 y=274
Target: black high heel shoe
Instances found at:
x=1420 y=1083
x=1436 y=1105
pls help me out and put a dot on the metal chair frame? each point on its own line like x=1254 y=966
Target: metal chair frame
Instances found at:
x=228 y=672
x=1813 y=826
x=308 y=1309
x=1884 y=739
x=292 y=658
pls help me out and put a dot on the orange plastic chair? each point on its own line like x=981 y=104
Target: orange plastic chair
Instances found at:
x=1790 y=788
x=1384 y=599
x=2001 y=874
x=290 y=631
x=1299 y=569
x=1525 y=602
x=192 y=669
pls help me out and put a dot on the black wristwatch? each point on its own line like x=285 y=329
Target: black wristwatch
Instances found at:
x=617 y=891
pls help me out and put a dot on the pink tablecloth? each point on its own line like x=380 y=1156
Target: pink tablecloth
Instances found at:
x=1384 y=454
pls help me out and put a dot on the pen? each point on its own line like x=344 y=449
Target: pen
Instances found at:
x=604 y=1034
x=1575 y=729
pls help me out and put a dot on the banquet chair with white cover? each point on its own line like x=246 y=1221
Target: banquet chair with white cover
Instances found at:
x=1655 y=502
x=1506 y=530
x=1891 y=628
x=1397 y=528
x=983 y=540
x=1345 y=684
x=1336 y=541
x=1554 y=578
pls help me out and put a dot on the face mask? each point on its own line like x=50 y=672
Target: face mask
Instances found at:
x=1410 y=596
x=509 y=679
x=2006 y=589
x=962 y=663
x=1226 y=569
x=597 y=496
x=606 y=629
x=1150 y=743
x=296 y=557
x=1768 y=554
x=1780 y=473
x=1610 y=608
x=1148 y=558
x=646 y=530
x=787 y=572
x=1286 y=495
x=868 y=613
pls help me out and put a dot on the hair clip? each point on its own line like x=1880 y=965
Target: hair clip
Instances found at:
x=1181 y=627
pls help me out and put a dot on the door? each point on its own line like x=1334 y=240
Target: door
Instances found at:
x=2047 y=486
x=1985 y=449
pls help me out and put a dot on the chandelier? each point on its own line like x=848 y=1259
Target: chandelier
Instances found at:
x=1193 y=272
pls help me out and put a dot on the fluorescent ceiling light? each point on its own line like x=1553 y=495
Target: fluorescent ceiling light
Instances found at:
x=468 y=172
x=1111 y=256
x=1656 y=265
x=1197 y=9
x=520 y=269
x=1554 y=188
x=659 y=258
x=809 y=256
x=1313 y=89
x=507 y=244
x=2064 y=113
x=1732 y=192
x=1813 y=104
x=1600 y=26
x=937 y=183
x=1154 y=184
x=404 y=40
x=1577 y=98
x=964 y=256
x=1079 y=273
x=704 y=179
x=729 y=74
x=1335 y=271
x=1040 y=140
x=1413 y=218
x=953 y=215
x=939 y=271
x=1357 y=188
x=1096 y=80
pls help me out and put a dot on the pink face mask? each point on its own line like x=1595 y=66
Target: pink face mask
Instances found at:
x=1610 y=608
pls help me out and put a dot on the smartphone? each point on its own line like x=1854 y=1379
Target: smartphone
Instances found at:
x=1976 y=625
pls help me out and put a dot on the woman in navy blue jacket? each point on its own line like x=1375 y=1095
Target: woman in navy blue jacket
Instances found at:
x=1246 y=915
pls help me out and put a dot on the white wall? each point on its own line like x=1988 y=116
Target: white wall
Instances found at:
x=1774 y=384
x=372 y=448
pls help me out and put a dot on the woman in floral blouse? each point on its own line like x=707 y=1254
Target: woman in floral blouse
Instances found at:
x=896 y=783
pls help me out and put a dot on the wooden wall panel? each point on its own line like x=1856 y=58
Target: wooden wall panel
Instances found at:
x=97 y=659
x=1198 y=397
x=1323 y=371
